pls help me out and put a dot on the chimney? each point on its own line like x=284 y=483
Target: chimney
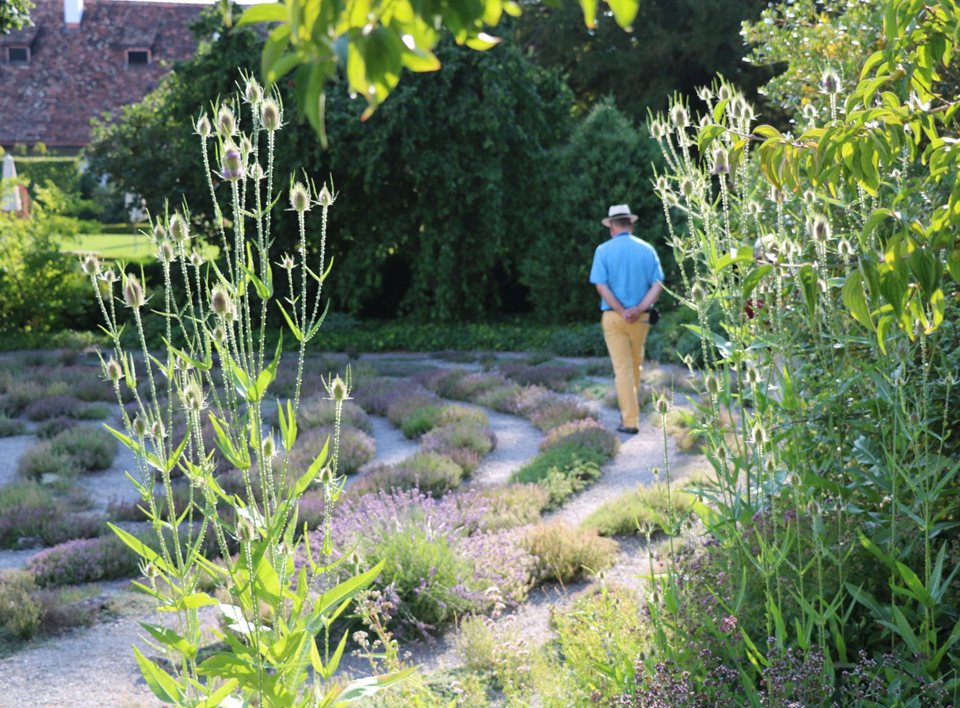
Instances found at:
x=72 y=13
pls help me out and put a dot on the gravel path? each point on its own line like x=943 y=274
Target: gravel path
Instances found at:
x=11 y=449
x=83 y=669
x=517 y=442
x=71 y=668
x=392 y=446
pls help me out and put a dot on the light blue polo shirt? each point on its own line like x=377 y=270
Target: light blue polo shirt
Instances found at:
x=628 y=266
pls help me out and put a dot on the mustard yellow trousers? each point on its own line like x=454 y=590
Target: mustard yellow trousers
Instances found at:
x=625 y=341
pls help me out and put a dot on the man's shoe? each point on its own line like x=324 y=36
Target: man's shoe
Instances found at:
x=628 y=431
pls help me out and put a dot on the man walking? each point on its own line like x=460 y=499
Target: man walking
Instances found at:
x=629 y=278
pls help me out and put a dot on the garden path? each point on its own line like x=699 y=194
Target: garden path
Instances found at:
x=633 y=465
x=78 y=660
x=94 y=667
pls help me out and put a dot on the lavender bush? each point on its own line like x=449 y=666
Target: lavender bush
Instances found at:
x=584 y=433
x=552 y=376
x=356 y=449
x=51 y=407
x=429 y=472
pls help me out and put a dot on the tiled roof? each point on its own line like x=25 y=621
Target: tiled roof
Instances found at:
x=77 y=74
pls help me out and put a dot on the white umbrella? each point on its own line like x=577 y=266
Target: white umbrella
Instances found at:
x=9 y=191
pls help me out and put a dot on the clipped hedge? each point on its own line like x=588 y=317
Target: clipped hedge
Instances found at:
x=62 y=171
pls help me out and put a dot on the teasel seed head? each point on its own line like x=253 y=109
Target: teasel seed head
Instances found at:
x=725 y=92
x=245 y=531
x=831 y=82
x=246 y=147
x=753 y=375
x=256 y=171
x=270 y=114
x=219 y=334
x=252 y=91
x=845 y=248
x=139 y=426
x=91 y=265
x=326 y=475
x=662 y=405
x=269 y=447
x=226 y=122
x=287 y=262
x=166 y=253
x=113 y=370
x=662 y=185
x=657 y=130
x=655 y=472
x=338 y=390
x=196 y=260
x=326 y=197
x=192 y=397
x=759 y=434
x=722 y=452
x=687 y=187
x=679 y=116
x=133 y=293
x=109 y=276
x=712 y=382
x=150 y=570
x=813 y=507
x=770 y=465
x=698 y=293
x=232 y=163
x=820 y=231
x=720 y=164
x=157 y=431
x=299 y=198
x=203 y=127
x=179 y=228
x=221 y=303
x=810 y=111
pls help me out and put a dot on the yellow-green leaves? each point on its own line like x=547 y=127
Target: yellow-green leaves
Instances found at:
x=624 y=11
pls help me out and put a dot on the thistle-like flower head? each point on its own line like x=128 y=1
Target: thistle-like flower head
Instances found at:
x=232 y=163
x=157 y=431
x=338 y=389
x=830 y=82
x=286 y=262
x=820 y=229
x=91 y=265
x=720 y=164
x=192 y=397
x=203 y=127
x=663 y=405
x=113 y=370
x=698 y=293
x=179 y=228
x=679 y=116
x=221 y=302
x=140 y=426
x=165 y=252
x=196 y=259
x=326 y=197
x=687 y=187
x=252 y=93
x=133 y=292
x=270 y=114
x=226 y=122
x=299 y=198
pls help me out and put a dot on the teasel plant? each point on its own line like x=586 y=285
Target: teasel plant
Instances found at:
x=216 y=369
x=784 y=276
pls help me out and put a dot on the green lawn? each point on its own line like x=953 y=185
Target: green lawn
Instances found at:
x=132 y=247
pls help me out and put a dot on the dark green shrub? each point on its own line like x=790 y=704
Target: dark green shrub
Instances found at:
x=89 y=449
x=421 y=420
x=51 y=428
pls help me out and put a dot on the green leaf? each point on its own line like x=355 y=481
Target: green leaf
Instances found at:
x=855 y=299
x=346 y=590
x=364 y=688
x=171 y=639
x=159 y=681
x=216 y=698
x=624 y=11
x=589 y=8
x=276 y=44
x=267 y=12
x=312 y=471
x=753 y=278
x=744 y=254
x=141 y=549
